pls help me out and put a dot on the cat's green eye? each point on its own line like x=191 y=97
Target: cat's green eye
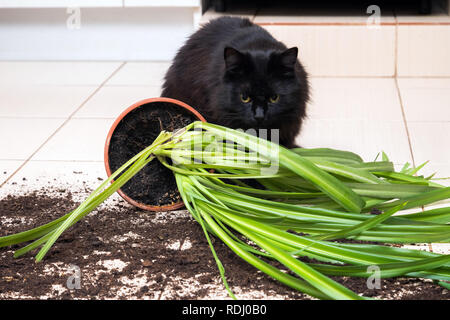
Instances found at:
x=245 y=98
x=274 y=98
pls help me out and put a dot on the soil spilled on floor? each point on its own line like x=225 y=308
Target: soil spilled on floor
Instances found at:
x=119 y=252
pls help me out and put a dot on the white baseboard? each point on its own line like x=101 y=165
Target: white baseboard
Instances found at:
x=114 y=34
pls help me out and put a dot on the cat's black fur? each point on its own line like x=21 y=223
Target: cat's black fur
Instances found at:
x=232 y=56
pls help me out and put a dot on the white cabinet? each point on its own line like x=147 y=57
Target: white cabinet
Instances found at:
x=114 y=30
x=98 y=3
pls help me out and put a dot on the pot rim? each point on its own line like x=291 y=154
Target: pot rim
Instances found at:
x=135 y=203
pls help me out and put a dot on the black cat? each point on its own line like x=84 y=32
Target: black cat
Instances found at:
x=237 y=75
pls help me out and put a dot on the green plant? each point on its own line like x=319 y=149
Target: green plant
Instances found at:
x=296 y=203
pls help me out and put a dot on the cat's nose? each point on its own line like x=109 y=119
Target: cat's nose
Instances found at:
x=259 y=113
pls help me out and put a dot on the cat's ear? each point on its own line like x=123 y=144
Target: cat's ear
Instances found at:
x=233 y=59
x=289 y=57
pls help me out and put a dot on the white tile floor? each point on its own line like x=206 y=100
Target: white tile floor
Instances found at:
x=65 y=114
x=54 y=121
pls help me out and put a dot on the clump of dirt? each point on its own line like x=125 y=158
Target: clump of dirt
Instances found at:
x=155 y=184
x=121 y=252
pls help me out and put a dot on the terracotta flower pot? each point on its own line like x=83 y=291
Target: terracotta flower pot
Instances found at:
x=125 y=116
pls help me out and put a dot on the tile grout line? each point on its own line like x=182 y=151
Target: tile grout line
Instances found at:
x=396 y=47
x=405 y=122
x=63 y=124
x=430 y=246
x=370 y=77
x=64 y=160
x=353 y=76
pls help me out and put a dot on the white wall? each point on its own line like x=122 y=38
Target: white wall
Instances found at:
x=104 y=33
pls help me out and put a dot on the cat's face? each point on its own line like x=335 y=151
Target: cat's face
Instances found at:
x=261 y=89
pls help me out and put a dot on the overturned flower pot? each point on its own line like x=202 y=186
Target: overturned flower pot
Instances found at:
x=154 y=187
